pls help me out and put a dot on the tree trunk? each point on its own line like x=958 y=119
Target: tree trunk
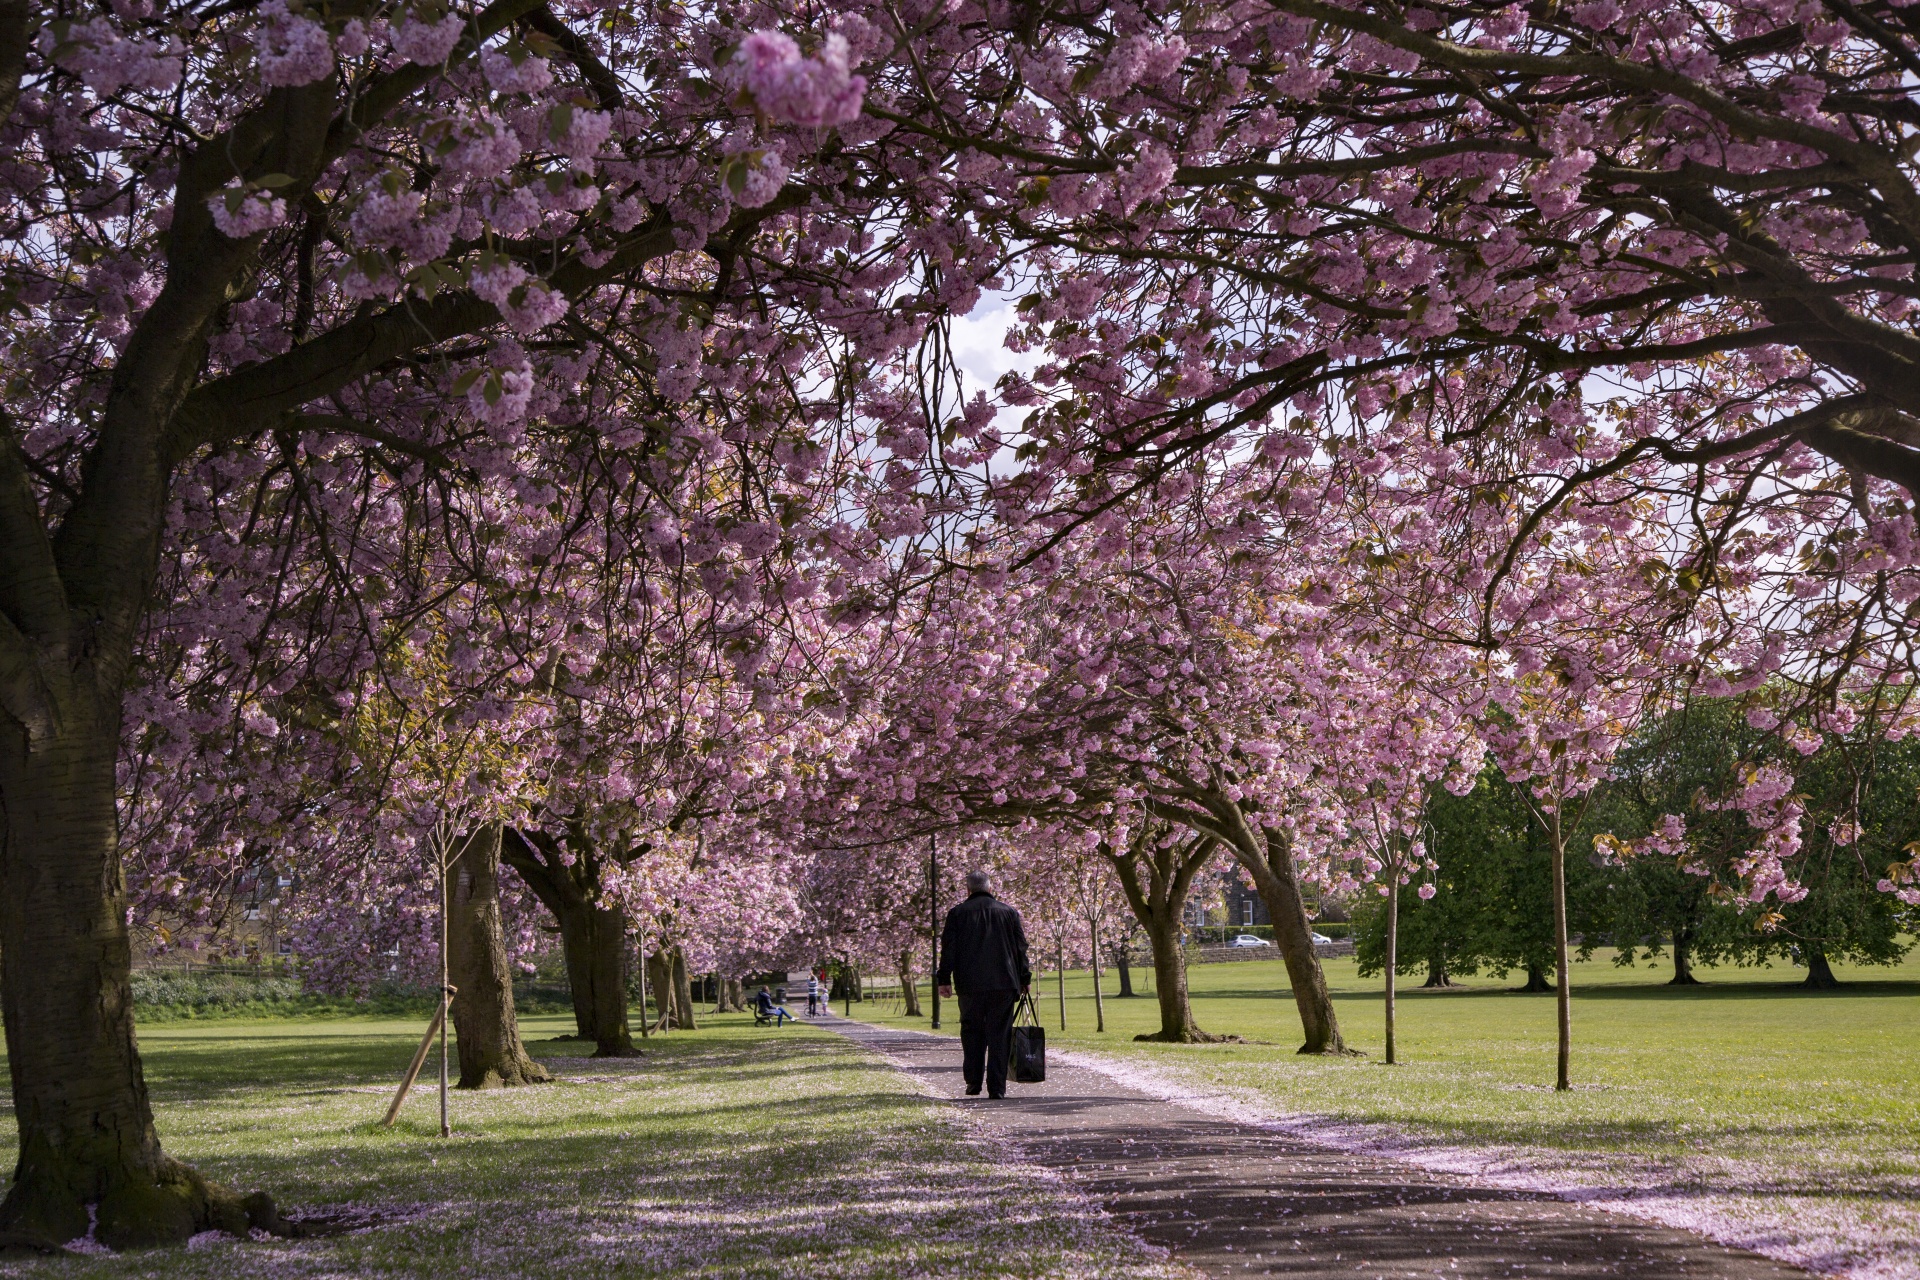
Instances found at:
x=491 y=1054
x=1123 y=970
x=909 y=992
x=1099 y=1005
x=1683 y=959
x=595 y=942
x=1437 y=972
x=1563 y=976
x=1819 y=974
x=1393 y=950
x=88 y=1153
x=683 y=1017
x=736 y=996
x=1268 y=859
x=1170 y=985
x=593 y=938
x=660 y=979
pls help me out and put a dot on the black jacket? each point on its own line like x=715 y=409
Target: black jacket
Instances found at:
x=983 y=947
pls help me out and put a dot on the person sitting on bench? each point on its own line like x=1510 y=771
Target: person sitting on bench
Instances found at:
x=766 y=1009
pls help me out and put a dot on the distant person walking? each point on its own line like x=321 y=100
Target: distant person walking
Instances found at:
x=813 y=995
x=983 y=955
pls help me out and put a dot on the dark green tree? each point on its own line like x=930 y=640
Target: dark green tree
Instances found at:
x=1688 y=898
x=1491 y=910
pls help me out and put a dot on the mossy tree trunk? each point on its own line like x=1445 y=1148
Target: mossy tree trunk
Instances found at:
x=89 y=1154
x=1156 y=872
x=593 y=937
x=491 y=1054
x=77 y=572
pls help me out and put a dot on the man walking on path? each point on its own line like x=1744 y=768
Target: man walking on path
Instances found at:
x=983 y=954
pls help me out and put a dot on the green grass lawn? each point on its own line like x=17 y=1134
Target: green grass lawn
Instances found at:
x=1750 y=1096
x=727 y=1152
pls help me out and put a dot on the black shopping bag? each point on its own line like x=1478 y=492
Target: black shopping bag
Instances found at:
x=1028 y=1056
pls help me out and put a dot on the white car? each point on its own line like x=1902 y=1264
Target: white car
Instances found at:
x=1248 y=940
x=1321 y=940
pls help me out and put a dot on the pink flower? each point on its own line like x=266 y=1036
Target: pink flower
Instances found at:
x=508 y=74
x=526 y=304
x=108 y=61
x=1426 y=891
x=579 y=134
x=756 y=177
x=427 y=44
x=291 y=49
x=353 y=39
x=240 y=212
x=795 y=89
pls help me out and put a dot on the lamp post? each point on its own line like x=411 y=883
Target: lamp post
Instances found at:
x=933 y=913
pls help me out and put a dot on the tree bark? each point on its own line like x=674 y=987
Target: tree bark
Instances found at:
x=1536 y=983
x=1123 y=970
x=683 y=1015
x=1819 y=973
x=593 y=937
x=1437 y=973
x=87 y=1139
x=909 y=991
x=1170 y=986
x=75 y=584
x=1156 y=878
x=1268 y=858
x=1683 y=959
x=491 y=1054
x=660 y=981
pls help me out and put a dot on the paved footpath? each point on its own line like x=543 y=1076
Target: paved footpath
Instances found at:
x=1234 y=1200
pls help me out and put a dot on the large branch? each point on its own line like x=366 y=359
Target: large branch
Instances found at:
x=249 y=399
x=1874 y=454
x=31 y=596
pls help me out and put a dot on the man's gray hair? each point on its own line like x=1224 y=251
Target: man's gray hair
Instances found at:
x=979 y=882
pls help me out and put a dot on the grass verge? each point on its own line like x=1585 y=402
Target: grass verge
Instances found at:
x=727 y=1152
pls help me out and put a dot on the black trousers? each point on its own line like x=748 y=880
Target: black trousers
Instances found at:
x=986 y=1031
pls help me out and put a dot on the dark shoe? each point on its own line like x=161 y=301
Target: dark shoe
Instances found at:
x=973 y=1091
x=997 y=1096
